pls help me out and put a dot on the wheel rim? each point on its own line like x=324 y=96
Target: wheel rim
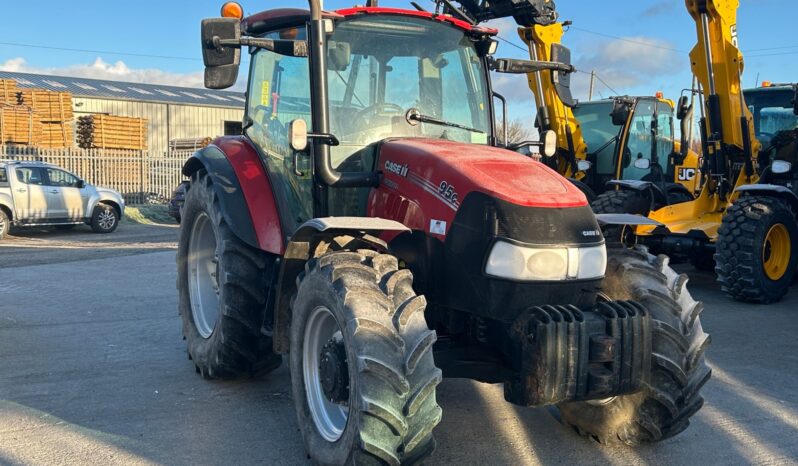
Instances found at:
x=2 y=226
x=106 y=219
x=203 y=272
x=329 y=417
x=776 y=252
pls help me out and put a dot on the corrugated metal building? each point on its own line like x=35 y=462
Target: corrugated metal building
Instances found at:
x=171 y=112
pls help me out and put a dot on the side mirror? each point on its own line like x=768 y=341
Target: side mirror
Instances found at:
x=80 y=184
x=298 y=134
x=620 y=112
x=642 y=164
x=683 y=107
x=795 y=101
x=562 y=80
x=549 y=143
x=338 y=55
x=221 y=62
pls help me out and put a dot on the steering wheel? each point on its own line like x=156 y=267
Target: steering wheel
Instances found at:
x=382 y=109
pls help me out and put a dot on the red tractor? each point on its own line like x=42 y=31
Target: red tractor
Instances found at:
x=394 y=244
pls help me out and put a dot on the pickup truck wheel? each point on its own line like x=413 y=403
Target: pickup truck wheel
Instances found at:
x=5 y=224
x=362 y=369
x=224 y=285
x=663 y=408
x=104 y=219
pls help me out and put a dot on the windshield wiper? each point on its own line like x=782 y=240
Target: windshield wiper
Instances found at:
x=414 y=117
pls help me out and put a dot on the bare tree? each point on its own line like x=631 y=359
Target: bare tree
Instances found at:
x=517 y=131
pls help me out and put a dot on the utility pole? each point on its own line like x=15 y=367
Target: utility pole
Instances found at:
x=592 y=81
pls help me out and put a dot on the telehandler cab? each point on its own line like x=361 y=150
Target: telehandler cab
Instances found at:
x=393 y=244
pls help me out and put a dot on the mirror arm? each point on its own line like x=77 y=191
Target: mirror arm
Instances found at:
x=325 y=138
x=293 y=48
x=513 y=66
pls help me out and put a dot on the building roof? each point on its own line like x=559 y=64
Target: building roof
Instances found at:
x=117 y=90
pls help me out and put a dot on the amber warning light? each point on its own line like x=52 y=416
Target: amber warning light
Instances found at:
x=232 y=10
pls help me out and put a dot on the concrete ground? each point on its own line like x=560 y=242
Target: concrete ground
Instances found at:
x=93 y=371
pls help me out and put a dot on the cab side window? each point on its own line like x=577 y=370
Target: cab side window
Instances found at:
x=30 y=175
x=3 y=177
x=61 y=178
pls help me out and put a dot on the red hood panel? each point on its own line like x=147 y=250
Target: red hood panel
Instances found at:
x=500 y=173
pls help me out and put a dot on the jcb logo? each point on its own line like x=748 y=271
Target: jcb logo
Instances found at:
x=734 y=35
x=686 y=174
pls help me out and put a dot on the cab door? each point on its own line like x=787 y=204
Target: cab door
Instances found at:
x=30 y=200
x=65 y=198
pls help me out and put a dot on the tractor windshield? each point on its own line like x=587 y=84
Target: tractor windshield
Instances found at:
x=772 y=111
x=380 y=67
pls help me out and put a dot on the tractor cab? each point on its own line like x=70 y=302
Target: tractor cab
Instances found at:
x=385 y=79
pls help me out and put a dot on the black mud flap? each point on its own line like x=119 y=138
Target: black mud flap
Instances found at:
x=568 y=355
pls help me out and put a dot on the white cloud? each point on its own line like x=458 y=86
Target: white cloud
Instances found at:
x=117 y=71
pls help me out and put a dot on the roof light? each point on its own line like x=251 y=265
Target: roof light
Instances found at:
x=232 y=10
x=659 y=95
x=766 y=84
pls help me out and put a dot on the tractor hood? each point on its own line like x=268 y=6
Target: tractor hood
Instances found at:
x=451 y=170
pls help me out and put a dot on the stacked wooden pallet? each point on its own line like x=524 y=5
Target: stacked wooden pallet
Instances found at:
x=8 y=92
x=51 y=106
x=189 y=143
x=19 y=125
x=112 y=132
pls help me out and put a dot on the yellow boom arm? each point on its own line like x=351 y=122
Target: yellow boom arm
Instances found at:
x=552 y=113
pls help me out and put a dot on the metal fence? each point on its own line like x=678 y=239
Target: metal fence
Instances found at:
x=140 y=178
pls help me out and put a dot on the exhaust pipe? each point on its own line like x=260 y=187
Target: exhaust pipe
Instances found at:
x=324 y=170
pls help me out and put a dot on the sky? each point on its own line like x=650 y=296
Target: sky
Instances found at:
x=636 y=47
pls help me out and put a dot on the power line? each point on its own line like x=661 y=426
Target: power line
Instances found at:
x=632 y=41
x=601 y=81
x=129 y=54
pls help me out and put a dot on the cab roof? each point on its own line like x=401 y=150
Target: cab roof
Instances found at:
x=271 y=20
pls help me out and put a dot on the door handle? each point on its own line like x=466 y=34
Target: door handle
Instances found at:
x=54 y=191
x=21 y=190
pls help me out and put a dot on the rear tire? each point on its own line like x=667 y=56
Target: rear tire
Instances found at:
x=756 y=251
x=223 y=334
x=5 y=224
x=104 y=219
x=678 y=369
x=622 y=201
x=375 y=324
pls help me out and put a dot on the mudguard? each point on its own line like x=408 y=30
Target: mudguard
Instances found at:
x=625 y=219
x=301 y=248
x=782 y=192
x=244 y=191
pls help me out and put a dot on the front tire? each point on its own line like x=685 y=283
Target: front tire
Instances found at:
x=104 y=219
x=678 y=369
x=755 y=256
x=362 y=370
x=223 y=285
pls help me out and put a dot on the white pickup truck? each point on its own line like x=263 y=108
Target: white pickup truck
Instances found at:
x=38 y=194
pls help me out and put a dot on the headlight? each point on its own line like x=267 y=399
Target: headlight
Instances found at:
x=780 y=166
x=507 y=260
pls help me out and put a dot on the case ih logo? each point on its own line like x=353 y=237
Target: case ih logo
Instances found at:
x=396 y=168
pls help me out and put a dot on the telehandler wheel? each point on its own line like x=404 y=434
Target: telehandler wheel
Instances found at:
x=223 y=286
x=620 y=202
x=756 y=256
x=362 y=369
x=664 y=407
